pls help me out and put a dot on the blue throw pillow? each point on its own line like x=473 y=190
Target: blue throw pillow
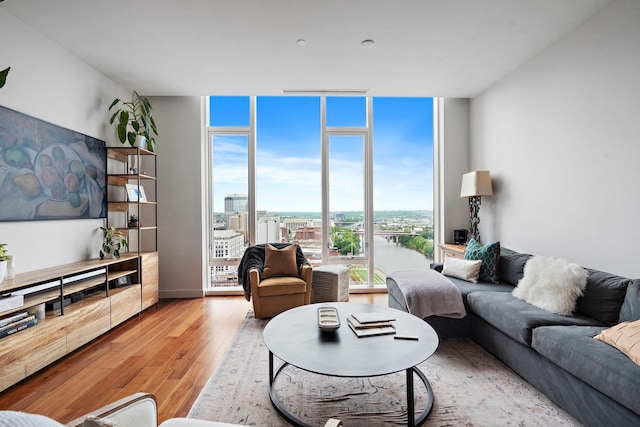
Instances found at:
x=489 y=255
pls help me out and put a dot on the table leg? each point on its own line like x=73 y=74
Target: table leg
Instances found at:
x=411 y=420
x=270 y=369
x=410 y=403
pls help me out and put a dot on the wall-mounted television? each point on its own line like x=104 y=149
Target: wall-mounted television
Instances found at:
x=49 y=172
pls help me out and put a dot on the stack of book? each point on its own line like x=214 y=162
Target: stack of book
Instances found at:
x=371 y=324
x=17 y=322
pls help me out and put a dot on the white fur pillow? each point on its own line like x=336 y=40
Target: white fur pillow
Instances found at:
x=553 y=284
x=462 y=269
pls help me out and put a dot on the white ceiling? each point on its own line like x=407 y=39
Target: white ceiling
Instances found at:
x=454 y=48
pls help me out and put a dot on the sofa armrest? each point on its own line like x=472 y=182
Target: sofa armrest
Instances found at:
x=140 y=410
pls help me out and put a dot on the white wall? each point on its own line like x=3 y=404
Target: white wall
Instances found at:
x=48 y=83
x=181 y=200
x=452 y=159
x=561 y=138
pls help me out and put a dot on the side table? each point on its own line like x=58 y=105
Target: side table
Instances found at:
x=330 y=283
x=451 y=250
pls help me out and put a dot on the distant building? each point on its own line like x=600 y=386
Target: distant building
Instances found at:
x=308 y=233
x=236 y=204
x=293 y=223
x=226 y=244
x=268 y=230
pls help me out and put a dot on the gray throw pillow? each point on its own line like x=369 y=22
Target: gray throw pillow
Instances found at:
x=630 y=310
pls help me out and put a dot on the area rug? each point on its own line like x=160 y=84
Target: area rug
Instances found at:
x=470 y=386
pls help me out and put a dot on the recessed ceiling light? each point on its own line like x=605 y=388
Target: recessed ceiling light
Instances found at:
x=301 y=42
x=367 y=43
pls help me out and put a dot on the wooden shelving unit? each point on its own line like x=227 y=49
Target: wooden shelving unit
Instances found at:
x=100 y=308
x=137 y=166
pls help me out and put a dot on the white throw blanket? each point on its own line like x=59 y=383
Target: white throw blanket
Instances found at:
x=429 y=293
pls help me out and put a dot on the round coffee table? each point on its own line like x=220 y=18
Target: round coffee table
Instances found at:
x=294 y=337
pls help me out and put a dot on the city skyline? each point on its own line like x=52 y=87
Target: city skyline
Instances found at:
x=288 y=160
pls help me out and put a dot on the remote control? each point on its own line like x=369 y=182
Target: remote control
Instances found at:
x=406 y=337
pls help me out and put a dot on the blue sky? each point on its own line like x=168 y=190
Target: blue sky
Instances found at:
x=289 y=154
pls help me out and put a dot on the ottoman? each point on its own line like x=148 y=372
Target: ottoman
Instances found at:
x=330 y=283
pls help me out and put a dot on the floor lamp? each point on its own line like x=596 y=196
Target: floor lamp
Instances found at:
x=474 y=185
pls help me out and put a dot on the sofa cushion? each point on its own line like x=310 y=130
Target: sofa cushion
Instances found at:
x=630 y=309
x=518 y=318
x=489 y=255
x=601 y=366
x=553 y=284
x=603 y=296
x=511 y=266
x=467 y=288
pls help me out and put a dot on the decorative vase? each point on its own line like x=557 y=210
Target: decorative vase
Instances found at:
x=3 y=270
x=141 y=141
x=109 y=254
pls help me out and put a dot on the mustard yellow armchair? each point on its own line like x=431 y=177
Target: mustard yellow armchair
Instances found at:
x=276 y=277
x=274 y=295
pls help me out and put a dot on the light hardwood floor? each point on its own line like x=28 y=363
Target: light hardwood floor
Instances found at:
x=170 y=351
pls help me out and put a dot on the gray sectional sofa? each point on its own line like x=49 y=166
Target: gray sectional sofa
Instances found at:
x=591 y=380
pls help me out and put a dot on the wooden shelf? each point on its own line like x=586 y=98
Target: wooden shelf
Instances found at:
x=36 y=277
x=40 y=298
x=124 y=206
x=122 y=154
x=81 y=285
x=122 y=180
x=114 y=275
x=126 y=231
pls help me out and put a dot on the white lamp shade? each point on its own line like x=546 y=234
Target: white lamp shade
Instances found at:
x=476 y=183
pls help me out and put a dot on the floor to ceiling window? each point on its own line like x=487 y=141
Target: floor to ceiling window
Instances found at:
x=349 y=179
x=402 y=184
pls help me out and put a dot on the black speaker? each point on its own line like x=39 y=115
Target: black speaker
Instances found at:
x=460 y=237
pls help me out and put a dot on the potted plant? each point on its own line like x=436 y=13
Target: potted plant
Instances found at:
x=114 y=241
x=134 y=121
x=4 y=257
x=133 y=221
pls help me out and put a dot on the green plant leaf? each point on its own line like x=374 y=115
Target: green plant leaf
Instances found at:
x=115 y=101
x=135 y=125
x=122 y=132
x=153 y=125
x=3 y=76
x=113 y=117
x=123 y=117
x=131 y=136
